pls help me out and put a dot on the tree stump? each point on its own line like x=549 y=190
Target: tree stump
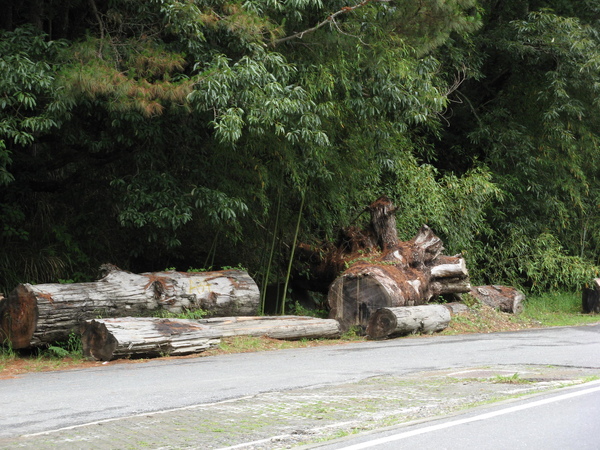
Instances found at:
x=389 y=322
x=590 y=300
x=503 y=298
x=35 y=315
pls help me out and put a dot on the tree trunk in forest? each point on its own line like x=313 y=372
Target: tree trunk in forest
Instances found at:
x=405 y=274
x=106 y=339
x=503 y=298
x=590 y=301
x=35 y=315
x=388 y=322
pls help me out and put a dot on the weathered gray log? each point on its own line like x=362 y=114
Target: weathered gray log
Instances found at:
x=590 y=298
x=503 y=298
x=389 y=322
x=411 y=274
x=455 y=307
x=276 y=327
x=35 y=315
x=106 y=339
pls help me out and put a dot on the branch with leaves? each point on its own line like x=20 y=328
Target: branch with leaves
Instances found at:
x=331 y=19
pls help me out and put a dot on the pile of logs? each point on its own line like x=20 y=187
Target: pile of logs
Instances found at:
x=38 y=315
x=375 y=283
x=389 y=273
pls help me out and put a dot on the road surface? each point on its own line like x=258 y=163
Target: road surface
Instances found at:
x=41 y=402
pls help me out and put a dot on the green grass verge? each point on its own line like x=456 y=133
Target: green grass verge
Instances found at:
x=557 y=309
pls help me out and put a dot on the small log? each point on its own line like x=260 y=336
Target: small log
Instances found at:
x=590 y=300
x=455 y=307
x=388 y=322
x=276 y=327
x=107 y=339
x=36 y=315
x=503 y=298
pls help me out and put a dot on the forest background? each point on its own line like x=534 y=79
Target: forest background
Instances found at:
x=200 y=134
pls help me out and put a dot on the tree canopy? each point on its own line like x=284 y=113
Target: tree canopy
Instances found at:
x=211 y=133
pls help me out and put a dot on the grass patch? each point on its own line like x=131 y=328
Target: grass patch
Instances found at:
x=510 y=379
x=557 y=309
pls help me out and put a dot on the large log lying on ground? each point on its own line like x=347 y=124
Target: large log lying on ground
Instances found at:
x=590 y=298
x=503 y=298
x=390 y=322
x=106 y=339
x=395 y=274
x=276 y=327
x=35 y=315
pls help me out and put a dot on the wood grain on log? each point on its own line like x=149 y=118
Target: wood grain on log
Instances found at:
x=35 y=315
x=455 y=307
x=276 y=327
x=503 y=298
x=106 y=339
x=389 y=322
x=366 y=287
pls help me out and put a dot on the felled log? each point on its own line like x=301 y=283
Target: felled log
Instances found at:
x=455 y=307
x=503 y=298
x=106 y=339
x=590 y=300
x=401 y=274
x=390 y=322
x=276 y=327
x=35 y=315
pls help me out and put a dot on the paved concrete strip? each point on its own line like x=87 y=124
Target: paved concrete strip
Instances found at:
x=304 y=416
x=441 y=426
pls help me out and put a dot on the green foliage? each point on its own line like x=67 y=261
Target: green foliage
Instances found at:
x=166 y=132
x=72 y=347
x=539 y=264
x=191 y=314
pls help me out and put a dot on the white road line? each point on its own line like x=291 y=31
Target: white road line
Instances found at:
x=407 y=434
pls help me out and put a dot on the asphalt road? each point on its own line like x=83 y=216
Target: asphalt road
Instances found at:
x=46 y=401
x=567 y=419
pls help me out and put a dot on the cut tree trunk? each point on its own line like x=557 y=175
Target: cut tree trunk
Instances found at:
x=503 y=298
x=276 y=327
x=106 y=339
x=389 y=322
x=35 y=315
x=456 y=307
x=590 y=301
x=407 y=274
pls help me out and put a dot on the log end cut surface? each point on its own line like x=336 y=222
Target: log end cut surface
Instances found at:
x=353 y=298
x=18 y=317
x=98 y=343
x=382 y=323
